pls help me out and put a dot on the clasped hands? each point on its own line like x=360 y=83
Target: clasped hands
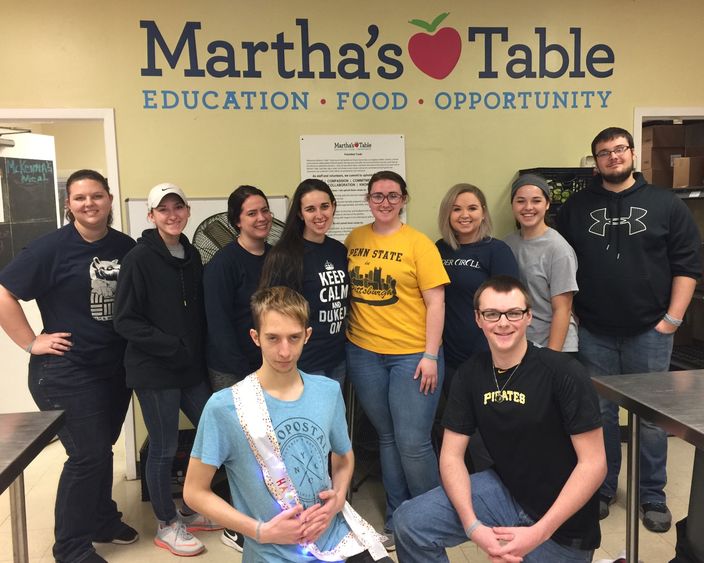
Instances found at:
x=506 y=544
x=300 y=525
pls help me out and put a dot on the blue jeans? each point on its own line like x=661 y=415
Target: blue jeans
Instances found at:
x=611 y=355
x=160 y=409
x=427 y=524
x=403 y=418
x=95 y=400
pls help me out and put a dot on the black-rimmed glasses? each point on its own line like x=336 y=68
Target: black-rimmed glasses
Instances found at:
x=618 y=151
x=378 y=197
x=492 y=315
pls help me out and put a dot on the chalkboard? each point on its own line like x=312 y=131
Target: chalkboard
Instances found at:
x=29 y=203
x=201 y=209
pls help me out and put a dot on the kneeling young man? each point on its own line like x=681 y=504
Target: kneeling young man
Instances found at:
x=273 y=432
x=539 y=416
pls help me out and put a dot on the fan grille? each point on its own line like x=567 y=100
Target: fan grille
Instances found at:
x=215 y=232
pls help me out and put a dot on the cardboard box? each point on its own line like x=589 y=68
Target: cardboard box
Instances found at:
x=659 y=158
x=664 y=135
x=694 y=135
x=661 y=178
x=688 y=171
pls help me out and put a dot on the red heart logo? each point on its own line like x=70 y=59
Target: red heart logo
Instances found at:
x=435 y=55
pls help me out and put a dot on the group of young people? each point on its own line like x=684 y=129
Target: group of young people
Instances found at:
x=412 y=324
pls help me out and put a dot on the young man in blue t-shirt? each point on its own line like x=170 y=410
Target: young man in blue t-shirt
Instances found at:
x=288 y=511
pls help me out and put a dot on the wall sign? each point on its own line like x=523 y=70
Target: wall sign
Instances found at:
x=436 y=53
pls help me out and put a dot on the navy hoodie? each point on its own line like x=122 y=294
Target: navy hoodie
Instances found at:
x=159 y=311
x=629 y=246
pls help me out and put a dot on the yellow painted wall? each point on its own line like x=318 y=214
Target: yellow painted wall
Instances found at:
x=89 y=54
x=79 y=144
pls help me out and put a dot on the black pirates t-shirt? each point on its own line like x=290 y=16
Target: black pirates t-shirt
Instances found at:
x=73 y=282
x=526 y=418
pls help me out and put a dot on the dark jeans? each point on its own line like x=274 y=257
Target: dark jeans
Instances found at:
x=160 y=409
x=95 y=400
x=644 y=353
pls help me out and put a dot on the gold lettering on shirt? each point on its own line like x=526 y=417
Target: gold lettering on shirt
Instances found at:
x=504 y=396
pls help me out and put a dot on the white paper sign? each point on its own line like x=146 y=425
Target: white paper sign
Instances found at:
x=346 y=162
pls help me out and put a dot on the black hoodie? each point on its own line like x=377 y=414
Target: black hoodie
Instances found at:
x=629 y=246
x=159 y=311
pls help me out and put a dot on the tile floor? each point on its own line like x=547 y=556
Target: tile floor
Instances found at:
x=42 y=475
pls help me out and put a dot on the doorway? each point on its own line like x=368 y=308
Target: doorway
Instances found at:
x=68 y=125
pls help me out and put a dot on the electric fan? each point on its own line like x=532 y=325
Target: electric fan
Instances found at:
x=215 y=232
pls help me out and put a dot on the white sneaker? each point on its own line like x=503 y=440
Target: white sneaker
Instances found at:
x=177 y=539
x=198 y=523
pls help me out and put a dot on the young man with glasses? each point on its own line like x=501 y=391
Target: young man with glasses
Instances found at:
x=539 y=417
x=638 y=251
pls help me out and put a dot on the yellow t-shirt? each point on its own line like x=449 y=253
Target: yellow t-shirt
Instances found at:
x=387 y=275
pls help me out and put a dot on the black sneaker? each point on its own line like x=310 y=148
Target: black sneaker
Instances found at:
x=656 y=517
x=122 y=536
x=604 y=503
x=232 y=539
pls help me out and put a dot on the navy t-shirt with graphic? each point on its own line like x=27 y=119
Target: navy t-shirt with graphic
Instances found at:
x=468 y=267
x=73 y=282
x=326 y=288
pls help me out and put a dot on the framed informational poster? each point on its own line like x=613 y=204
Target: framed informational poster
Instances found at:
x=346 y=162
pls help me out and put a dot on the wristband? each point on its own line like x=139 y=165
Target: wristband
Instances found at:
x=468 y=532
x=672 y=320
x=28 y=349
x=428 y=356
x=259 y=528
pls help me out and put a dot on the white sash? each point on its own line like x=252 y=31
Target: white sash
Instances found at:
x=259 y=431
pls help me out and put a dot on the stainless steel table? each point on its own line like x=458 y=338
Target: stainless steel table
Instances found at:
x=22 y=437
x=674 y=401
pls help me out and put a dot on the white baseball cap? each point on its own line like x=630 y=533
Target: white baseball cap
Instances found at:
x=160 y=191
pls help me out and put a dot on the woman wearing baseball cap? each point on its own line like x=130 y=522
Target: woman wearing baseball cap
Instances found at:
x=547 y=265
x=159 y=311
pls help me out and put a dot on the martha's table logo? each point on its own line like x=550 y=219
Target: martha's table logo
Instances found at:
x=435 y=52
x=356 y=145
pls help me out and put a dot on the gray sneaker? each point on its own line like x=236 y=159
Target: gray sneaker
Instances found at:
x=198 y=523
x=656 y=517
x=390 y=542
x=177 y=539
